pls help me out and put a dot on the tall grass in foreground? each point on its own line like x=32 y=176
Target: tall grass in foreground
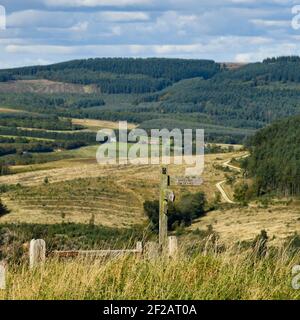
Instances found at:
x=228 y=275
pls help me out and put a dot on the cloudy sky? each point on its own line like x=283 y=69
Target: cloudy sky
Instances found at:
x=47 y=31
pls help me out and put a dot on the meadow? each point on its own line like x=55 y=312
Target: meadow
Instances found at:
x=231 y=275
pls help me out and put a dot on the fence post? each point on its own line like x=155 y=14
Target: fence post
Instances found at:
x=2 y=276
x=139 y=246
x=152 y=250
x=172 y=247
x=37 y=253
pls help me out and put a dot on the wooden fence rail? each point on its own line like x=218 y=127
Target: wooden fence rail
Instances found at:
x=98 y=253
x=151 y=250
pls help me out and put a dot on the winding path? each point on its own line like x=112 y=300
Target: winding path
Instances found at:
x=223 y=193
x=219 y=184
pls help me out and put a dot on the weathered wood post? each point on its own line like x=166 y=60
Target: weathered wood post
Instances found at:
x=2 y=276
x=166 y=195
x=37 y=253
x=173 y=247
x=152 y=250
x=139 y=246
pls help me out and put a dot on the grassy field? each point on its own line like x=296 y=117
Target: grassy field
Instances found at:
x=95 y=125
x=42 y=86
x=242 y=224
x=5 y=110
x=79 y=189
x=228 y=276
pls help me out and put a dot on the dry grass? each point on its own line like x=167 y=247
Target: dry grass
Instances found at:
x=45 y=86
x=95 y=125
x=76 y=200
x=230 y=275
x=238 y=224
x=5 y=110
x=36 y=204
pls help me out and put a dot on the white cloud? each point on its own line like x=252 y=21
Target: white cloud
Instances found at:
x=95 y=3
x=271 y=23
x=2 y=18
x=38 y=18
x=208 y=47
x=274 y=50
x=113 y=16
x=80 y=27
x=38 y=49
x=224 y=30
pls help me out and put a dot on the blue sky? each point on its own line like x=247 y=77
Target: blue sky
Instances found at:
x=47 y=31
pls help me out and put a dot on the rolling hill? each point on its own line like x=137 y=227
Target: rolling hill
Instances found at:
x=275 y=159
x=230 y=102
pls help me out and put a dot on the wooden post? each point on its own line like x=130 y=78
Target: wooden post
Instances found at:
x=2 y=276
x=139 y=246
x=163 y=209
x=152 y=250
x=173 y=247
x=37 y=253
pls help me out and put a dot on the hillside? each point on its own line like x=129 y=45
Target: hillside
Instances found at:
x=45 y=87
x=275 y=159
x=248 y=97
x=230 y=102
x=119 y=75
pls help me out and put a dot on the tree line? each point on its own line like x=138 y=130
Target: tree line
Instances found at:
x=275 y=158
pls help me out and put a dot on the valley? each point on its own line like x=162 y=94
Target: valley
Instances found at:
x=48 y=124
x=79 y=190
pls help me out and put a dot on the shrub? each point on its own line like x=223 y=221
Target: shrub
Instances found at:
x=188 y=208
x=241 y=193
x=259 y=244
x=4 y=170
x=3 y=209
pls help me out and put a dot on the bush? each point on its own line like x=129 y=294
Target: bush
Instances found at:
x=259 y=244
x=189 y=207
x=151 y=209
x=4 y=170
x=241 y=193
x=65 y=236
x=3 y=209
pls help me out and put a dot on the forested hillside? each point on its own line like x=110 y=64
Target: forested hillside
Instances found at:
x=230 y=103
x=248 y=97
x=283 y=69
x=119 y=75
x=275 y=159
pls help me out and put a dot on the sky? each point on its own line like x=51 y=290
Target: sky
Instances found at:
x=48 y=31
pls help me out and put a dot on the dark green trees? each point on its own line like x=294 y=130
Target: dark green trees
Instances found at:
x=183 y=212
x=275 y=159
x=3 y=209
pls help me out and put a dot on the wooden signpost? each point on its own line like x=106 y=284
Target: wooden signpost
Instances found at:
x=166 y=196
x=186 y=181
